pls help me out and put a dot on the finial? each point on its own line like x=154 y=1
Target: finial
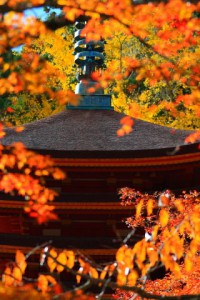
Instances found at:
x=89 y=58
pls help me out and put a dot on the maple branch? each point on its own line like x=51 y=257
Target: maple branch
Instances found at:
x=21 y=7
x=132 y=232
x=61 y=21
x=107 y=281
x=139 y=291
x=57 y=22
x=37 y=248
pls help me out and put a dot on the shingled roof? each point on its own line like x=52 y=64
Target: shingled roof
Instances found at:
x=94 y=131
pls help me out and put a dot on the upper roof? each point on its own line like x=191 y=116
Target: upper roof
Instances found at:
x=95 y=131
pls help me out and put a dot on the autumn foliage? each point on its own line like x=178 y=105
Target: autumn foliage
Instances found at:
x=22 y=172
x=171 y=239
x=170 y=243
x=166 y=31
x=168 y=224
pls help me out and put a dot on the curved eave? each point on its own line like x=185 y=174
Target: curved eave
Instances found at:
x=129 y=162
x=185 y=154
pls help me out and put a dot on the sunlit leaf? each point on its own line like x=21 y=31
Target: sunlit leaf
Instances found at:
x=21 y=261
x=150 y=205
x=43 y=283
x=51 y=262
x=139 y=209
x=17 y=274
x=62 y=260
x=7 y=277
x=93 y=273
x=163 y=217
x=132 y=278
x=70 y=258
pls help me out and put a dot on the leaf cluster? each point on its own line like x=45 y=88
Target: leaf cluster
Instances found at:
x=22 y=172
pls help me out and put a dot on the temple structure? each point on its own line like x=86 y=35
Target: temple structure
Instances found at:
x=83 y=142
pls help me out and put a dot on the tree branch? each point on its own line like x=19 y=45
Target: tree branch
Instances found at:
x=139 y=291
x=39 y=247
x=21 y=7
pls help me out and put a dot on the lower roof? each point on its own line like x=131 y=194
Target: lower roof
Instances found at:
x=93 y=133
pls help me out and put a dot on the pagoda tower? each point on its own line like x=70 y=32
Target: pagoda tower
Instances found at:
x=84 y=143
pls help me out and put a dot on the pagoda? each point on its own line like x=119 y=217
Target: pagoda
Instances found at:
x=84 y=143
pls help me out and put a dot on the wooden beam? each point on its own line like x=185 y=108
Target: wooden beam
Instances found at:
x=168 y=159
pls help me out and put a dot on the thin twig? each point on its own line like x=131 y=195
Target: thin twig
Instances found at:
x=135 y=289
x=37 y=248
x=129 y=236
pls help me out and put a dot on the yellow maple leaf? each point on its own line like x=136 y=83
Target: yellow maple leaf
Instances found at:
x=50 y=261
x=188 y=264
x=20 y=261
x=132 y=278
x=17 y=274
x=43 y=283
x=93 y=273
x=7 y=278
x=150 y=205
x=164 y=217
x=139 y=209
x=62 y=259
x=70 y=258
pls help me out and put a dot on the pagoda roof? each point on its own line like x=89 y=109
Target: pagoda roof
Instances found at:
x=95 y=131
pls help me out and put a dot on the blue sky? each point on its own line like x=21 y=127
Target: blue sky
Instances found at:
x=38 y=13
